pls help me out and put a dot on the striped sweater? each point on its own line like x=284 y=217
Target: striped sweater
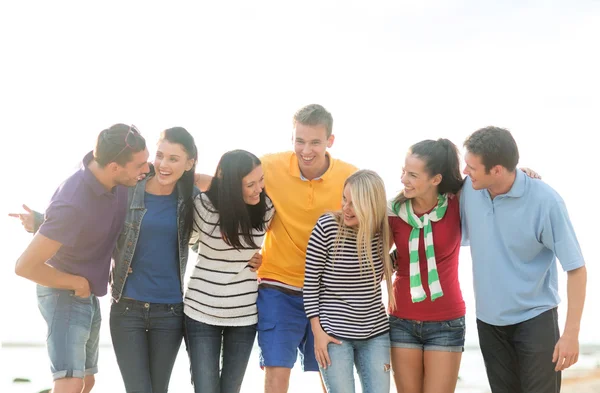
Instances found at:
x=346 y=299
x=222 y=290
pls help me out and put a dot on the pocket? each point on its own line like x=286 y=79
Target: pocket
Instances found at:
x=394 y=320
x=81 y=300
x=119 y=309
x=458 y=323
x=263 y=326
x=47 y=303
x=177 y=310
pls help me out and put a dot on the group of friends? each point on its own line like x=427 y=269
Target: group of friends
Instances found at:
x=294 y=248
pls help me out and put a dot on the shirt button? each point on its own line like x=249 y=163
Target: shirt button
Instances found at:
x=146 y=305
x=129 y=244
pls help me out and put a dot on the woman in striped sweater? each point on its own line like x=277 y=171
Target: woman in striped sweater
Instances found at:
x=230 y=222
x=346 y=260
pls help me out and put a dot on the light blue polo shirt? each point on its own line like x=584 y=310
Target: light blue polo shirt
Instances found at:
x=515 y=240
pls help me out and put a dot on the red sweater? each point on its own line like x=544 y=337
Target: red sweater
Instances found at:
x=446 y=240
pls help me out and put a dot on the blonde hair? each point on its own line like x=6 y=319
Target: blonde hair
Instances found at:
x=314 y=115
x=370 y=207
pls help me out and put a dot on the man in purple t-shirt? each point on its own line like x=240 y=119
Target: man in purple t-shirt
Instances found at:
x=69 y=257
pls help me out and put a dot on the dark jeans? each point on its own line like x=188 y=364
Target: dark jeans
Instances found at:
x=518 y=358
x=204 y=347
x=146 y=338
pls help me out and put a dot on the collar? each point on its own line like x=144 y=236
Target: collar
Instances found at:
x=90 y=179
x=295 y=168
x=518 y=188
x=137 y=199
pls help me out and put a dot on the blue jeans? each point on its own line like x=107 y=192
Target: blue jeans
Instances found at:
x=372 y=360
x=73 y=331
x=204 y=347
x=146 y=338
x=445 y=336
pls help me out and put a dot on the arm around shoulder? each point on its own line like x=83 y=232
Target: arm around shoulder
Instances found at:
x=202 y=181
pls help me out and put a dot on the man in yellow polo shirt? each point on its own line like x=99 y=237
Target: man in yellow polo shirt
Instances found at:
x=303 y=184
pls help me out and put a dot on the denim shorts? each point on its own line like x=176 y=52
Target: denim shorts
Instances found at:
x=446 y=336
x=284 y=330
x=73 y=331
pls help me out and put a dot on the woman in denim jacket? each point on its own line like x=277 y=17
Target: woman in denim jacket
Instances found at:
x=149 y=262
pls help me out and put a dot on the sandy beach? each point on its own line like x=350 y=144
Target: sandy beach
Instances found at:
x=31 y=362
x=581 y=381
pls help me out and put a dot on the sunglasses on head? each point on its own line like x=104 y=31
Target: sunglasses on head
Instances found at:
x=129 y=141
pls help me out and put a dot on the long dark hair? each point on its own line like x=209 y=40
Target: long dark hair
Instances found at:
x=236 y=218
x=441 y=157
x=185 y=184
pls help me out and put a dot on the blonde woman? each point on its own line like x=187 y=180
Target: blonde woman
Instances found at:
x=346 y=260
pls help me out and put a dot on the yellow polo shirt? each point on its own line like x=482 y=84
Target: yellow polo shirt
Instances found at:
x=298 y=204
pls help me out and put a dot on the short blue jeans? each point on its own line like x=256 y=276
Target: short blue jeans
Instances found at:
x=146 y=338
x=446 y=336
x=284 y=330
x=73 y=331
x=218 y=355
x=371 y=358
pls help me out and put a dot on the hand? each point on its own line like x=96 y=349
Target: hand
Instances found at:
x=566 y=352
x=202 y=181
x=82 y=287
x=255 y=262
x=27 y=219
x=197 y=179
x=531 y=173
x=322 y=339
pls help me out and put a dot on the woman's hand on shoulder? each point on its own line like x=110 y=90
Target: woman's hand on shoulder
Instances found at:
x=202 y=181
x=255 y=262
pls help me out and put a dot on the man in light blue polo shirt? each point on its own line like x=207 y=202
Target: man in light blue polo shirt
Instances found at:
x=517 y=227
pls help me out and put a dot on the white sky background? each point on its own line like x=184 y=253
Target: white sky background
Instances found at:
x=391 y=72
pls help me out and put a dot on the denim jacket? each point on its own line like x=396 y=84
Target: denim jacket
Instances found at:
x=123 y=253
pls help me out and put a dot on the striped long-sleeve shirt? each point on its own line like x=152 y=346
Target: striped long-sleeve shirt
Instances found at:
x=222 y=290
x=345 y=296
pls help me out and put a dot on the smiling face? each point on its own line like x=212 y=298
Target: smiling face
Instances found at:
x=475 y=169
x=252 y=185
x=170 y=162
x=129 y=174
x=310 y=145
x=416 y=179
x=349 y=214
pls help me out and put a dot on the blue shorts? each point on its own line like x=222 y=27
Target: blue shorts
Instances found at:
x=283 y=330
x=73 y=331
x=446 y=336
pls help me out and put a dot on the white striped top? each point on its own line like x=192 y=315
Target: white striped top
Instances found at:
x=222 y=290
x=346 y=299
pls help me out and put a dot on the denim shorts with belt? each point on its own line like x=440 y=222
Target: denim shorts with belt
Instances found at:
x=446 y=336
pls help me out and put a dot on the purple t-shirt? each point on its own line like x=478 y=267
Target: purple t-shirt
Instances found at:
x=86 y=219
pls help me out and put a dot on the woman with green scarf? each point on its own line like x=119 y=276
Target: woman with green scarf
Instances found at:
x=427 y=324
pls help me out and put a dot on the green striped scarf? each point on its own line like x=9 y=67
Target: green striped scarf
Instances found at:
x=406 y=213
